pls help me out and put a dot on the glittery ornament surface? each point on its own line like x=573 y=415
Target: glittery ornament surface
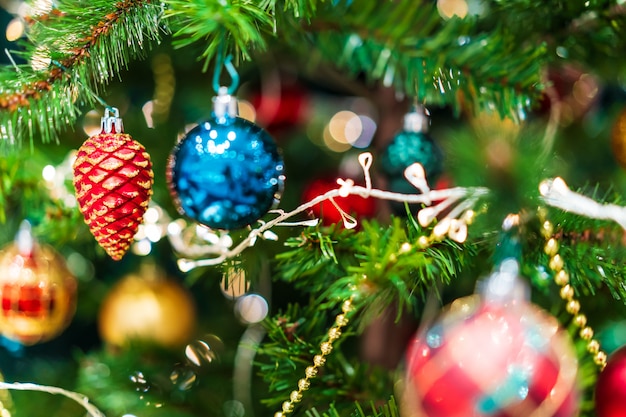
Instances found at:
x=37 y=294
x=169 y=321
x=491 y=360
x=408 y=148
x=113 y=180
x=226 y=174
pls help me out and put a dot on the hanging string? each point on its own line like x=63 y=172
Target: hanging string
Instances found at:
x=225 y=62
x=99 y=99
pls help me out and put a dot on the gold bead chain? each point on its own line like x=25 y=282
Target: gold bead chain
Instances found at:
x=319 y=360
x=562 y=279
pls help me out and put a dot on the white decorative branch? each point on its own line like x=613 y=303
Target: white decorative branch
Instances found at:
x=556 y=193
x=81 y=399
x=415 y=175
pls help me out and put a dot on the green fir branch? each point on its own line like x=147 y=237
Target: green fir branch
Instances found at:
x=589 y=33
x=384 y=263
x=593 y=251
x=434 y=60
x=385 y=266
x=70 y=55
x=294 y=337
x=389 y=409
x=239 y=25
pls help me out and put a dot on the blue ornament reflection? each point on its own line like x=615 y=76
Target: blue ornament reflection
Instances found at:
x=226 y=173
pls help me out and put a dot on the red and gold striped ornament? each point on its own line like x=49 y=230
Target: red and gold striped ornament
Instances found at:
x=37 y=291
x=113 y=180
x=488 y=359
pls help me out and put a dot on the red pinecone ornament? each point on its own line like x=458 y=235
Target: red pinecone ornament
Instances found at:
x=113 y=180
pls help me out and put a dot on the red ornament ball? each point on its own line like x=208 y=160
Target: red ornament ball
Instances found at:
x=282 y=106
x=354 y=205
x=611 y=386
x=37 y=292
x=488 y=359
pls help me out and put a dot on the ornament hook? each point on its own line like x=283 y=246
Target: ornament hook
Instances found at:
x=232 y=71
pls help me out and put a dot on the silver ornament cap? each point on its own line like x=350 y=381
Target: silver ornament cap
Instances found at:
x=417 y=120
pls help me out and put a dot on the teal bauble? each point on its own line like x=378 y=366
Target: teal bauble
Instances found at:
x=409 y=146
x=227 y=172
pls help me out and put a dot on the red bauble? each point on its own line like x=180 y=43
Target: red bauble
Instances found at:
x=611 y=386
x=284 y=106
x=113 y=180
x=491 y=360
x=37 y=292
x=353 y=204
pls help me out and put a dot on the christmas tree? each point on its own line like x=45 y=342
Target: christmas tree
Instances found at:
x=322 y=208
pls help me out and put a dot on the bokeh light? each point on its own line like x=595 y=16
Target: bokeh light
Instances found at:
x=202 y=352
x=183 y=377
x=48 y=173
x=347 y=129
x=147 y=109
x=15 y=29
x=246 y=110
x=449 y=8
x=234 y=283
x=92 y=123
x=251 y=308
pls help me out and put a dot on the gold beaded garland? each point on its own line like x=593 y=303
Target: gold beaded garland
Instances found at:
x=319 y=360
x=304 y=384
x=580 y=320
x=287 y=407
x=573 y=307
x=567 y=293
x=341 y=320
x=593 y=346
x=326 y=347
x=586 y=333
x=600 y=359
x=561 y=278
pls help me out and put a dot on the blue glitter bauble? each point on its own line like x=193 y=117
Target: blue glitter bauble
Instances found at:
x=226 y=173
x=408 y=148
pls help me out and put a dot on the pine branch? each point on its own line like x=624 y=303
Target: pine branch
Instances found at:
x=588 y=33
x=389 y=409
x=385 y=266
x=593 y=252
x=71 y=53
x=384 y=263
x=432 y=59
x=293 y=340
x=239 y=25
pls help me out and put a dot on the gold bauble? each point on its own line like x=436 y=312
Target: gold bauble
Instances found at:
x=618 y=142
x=37 y=293
x=149 y=307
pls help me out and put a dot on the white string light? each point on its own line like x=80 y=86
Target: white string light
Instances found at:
x=346 y=188
x=81 y=399
x=556 y=193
